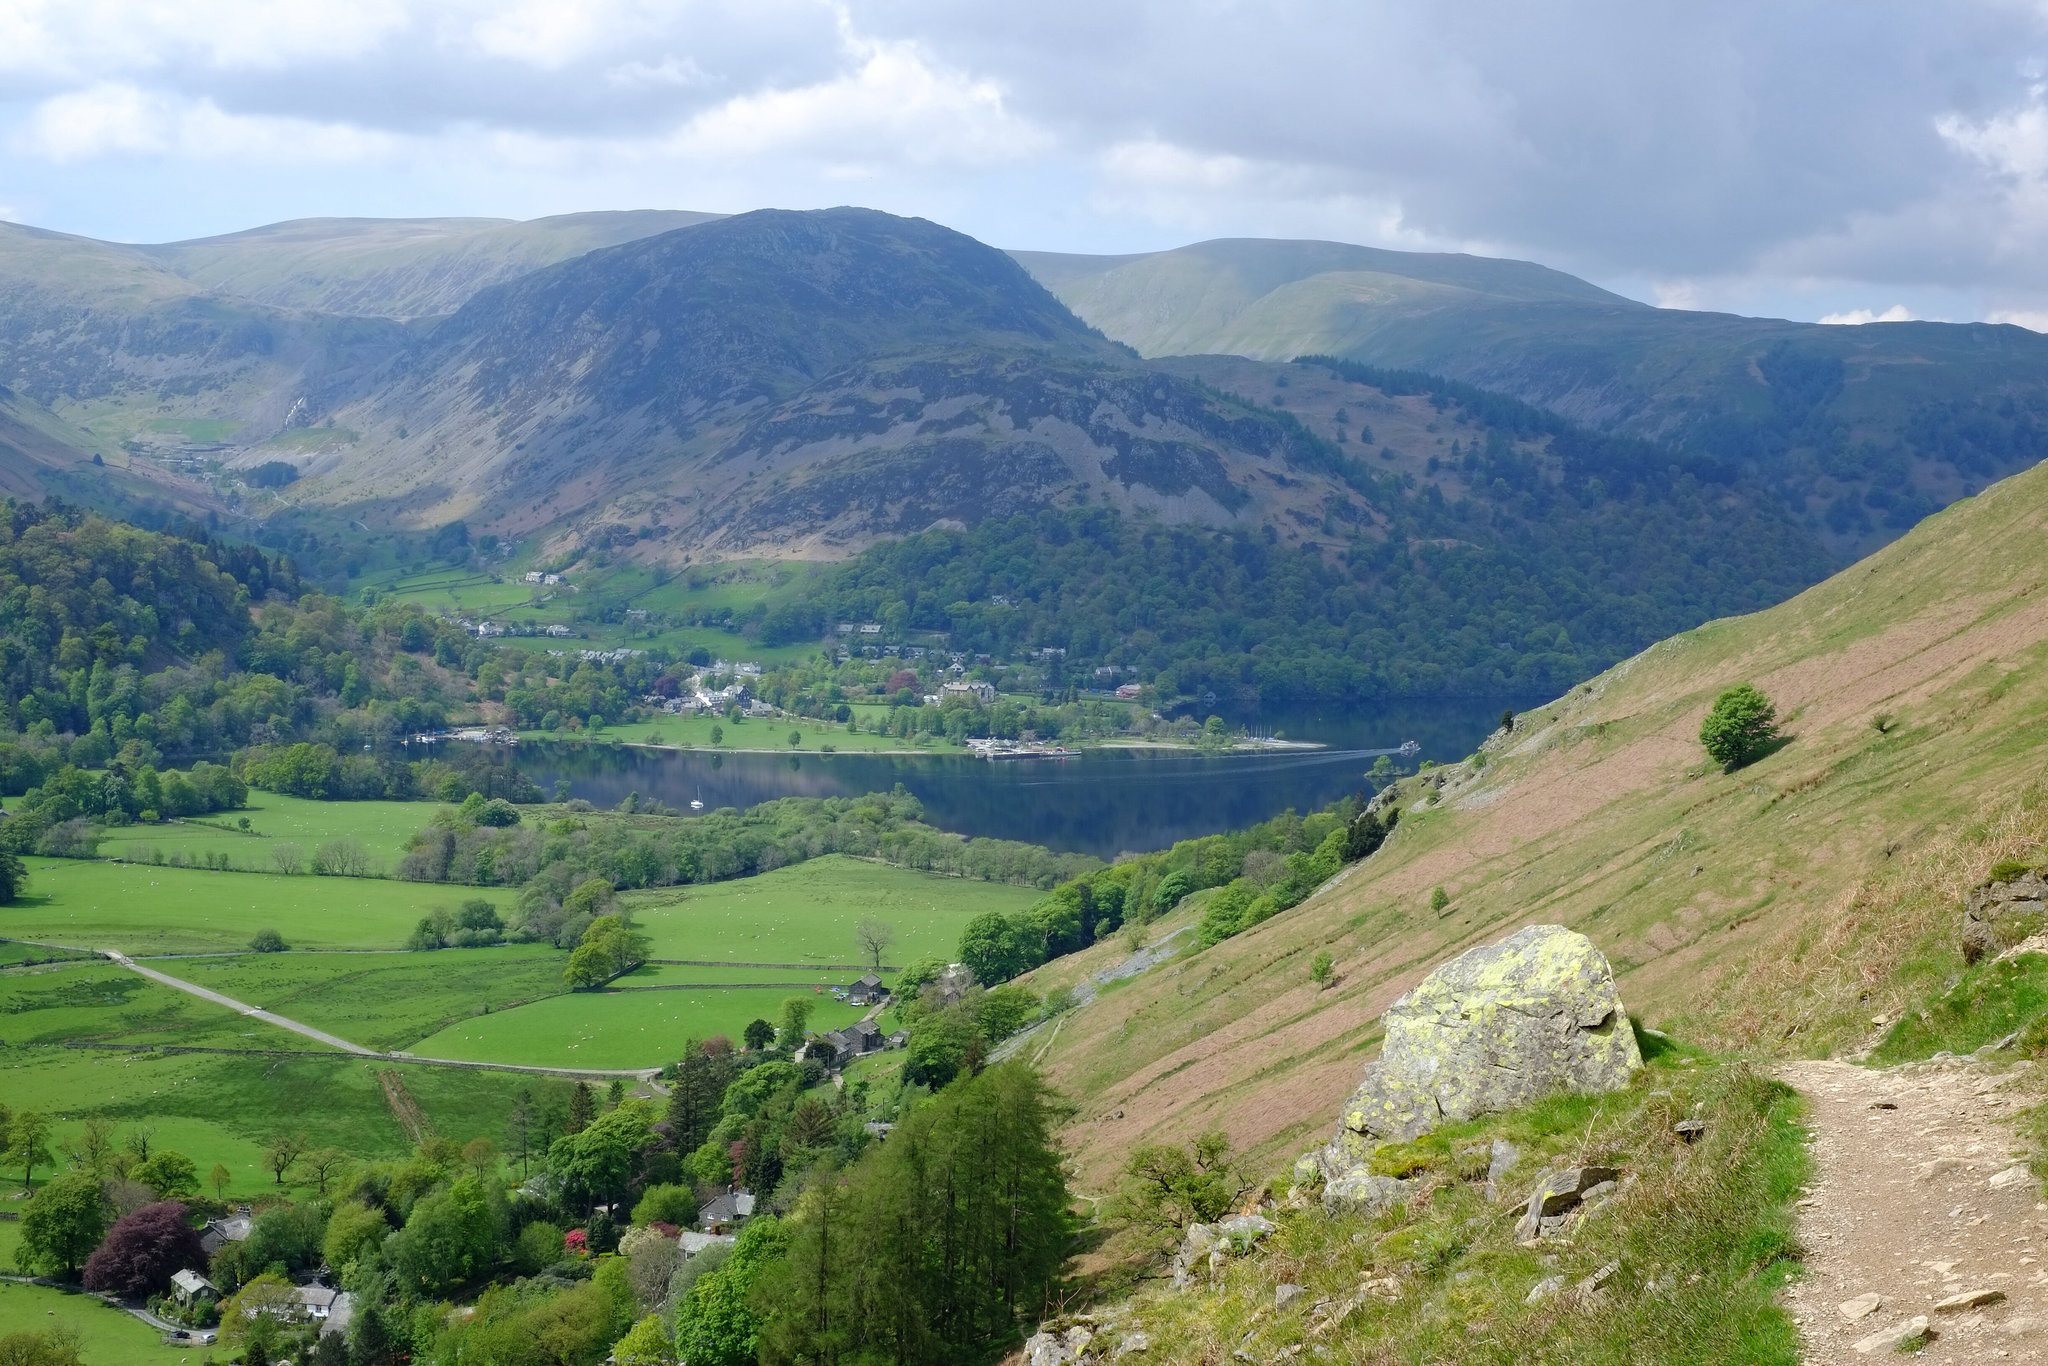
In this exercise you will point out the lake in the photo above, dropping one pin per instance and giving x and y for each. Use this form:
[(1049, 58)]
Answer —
[(1103, 802)]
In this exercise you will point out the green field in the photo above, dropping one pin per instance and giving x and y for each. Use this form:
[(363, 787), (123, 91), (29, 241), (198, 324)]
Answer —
[(224, 1108), (382, 1000), (141, 909), (106, 1336), (101, 1002), (806, 913), (275, 820), (624, 1029)]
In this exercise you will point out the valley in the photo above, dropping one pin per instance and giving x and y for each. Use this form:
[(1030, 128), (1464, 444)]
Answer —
[(738, 539)]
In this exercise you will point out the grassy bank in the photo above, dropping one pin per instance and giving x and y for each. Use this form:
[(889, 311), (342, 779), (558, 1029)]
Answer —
[(1700, 1237)]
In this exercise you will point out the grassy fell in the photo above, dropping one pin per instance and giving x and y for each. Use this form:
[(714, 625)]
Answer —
[(1768, 909)]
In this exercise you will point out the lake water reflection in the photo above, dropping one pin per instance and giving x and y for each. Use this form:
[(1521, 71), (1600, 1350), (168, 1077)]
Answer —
[(1102, 802)]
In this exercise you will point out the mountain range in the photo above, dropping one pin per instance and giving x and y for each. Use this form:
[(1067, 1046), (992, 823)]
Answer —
[(378, 357)]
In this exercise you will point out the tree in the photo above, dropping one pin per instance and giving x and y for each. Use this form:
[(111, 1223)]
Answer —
[(796, 1016), (874, 935), (142, 1250), (1322, 968), (267, 941), (717, 1323), (452, 1236), (62, 1224), (1164, 1187), (353, 1229), (647, 1345), (717, 735), (519, 1124), (51, 1347), (796, 737), (173, 1176), (285, 1148), (758, 1034), (94, 1149), (666, 1205), (220, 1178), (258, 1312), (1438, 899), (582, 1108), (28, 1144), (13, 876), (324, 1164), (1740, 727)]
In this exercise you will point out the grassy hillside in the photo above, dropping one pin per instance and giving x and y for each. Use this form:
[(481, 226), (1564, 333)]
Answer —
[(1775, 909), (397, 267)]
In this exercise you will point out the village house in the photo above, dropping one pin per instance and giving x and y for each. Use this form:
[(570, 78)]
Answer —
[(726, 1212), (219, 1232), (855, 1040), (983, 694), (866, 991), (316, 1302), (189, 1289)]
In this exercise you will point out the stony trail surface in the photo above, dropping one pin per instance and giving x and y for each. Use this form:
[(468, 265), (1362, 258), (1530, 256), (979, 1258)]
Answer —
[(1921, 1198)]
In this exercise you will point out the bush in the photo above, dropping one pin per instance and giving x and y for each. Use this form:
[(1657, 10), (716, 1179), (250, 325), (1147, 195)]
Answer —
[(1740, 728), (267, 941)]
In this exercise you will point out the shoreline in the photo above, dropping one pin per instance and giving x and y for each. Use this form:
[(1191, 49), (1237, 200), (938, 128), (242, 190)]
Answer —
[(1076, 751)]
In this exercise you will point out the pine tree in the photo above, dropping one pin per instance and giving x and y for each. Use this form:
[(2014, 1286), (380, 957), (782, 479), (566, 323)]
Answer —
[(582, 1108)]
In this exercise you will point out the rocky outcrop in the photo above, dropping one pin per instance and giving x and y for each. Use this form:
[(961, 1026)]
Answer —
[(1496, 1027), (1999, 913)]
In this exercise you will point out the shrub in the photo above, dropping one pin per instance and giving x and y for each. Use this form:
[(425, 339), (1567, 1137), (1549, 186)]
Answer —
[(1740, 727), (1322, 968), (267, 941)]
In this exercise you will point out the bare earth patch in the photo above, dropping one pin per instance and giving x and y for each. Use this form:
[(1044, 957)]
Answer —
[(1922, 1200)]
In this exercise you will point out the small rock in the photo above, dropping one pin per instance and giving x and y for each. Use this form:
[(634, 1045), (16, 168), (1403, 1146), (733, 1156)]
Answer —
[(1557, 1193), (1538, 1292), (1384, 1287), (1598, 1194), (1690, 1129), (1132, 1342), (1897, 1337), (1940, 1166), (1861, 1306), (1045, 1349), (1285, 1294), (1500, 1162), (1969, 1299), (2016, 1175), (1880, 1020), (1599, 1278), (1884, 1105)]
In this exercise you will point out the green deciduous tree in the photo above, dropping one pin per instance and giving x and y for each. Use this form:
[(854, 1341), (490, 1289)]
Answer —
[(28, 1144), (1740, 727), (62, 1224)]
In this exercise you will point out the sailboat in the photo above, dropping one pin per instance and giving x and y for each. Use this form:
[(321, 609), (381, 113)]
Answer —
[(697, 802)]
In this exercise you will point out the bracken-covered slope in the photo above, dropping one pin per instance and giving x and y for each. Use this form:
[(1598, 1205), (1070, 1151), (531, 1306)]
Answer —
[(1778, 908), (1862, 429)]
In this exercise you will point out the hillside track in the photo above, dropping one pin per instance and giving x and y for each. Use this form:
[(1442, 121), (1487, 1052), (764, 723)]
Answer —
[(1922, 1196)]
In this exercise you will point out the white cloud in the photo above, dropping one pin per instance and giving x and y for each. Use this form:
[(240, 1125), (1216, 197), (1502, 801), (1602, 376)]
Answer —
[(1856, 317), (2033, 319), (118, 120), (89, 39), (894, 106)]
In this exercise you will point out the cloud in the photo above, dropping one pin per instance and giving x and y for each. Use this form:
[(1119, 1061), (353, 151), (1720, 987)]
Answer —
[(122, 120), (2034, 320), (1856, 317), (1771, 156), (895, 105)]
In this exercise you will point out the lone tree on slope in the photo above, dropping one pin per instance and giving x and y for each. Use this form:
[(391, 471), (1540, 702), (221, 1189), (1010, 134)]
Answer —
[(874, 935), (1740, 728)]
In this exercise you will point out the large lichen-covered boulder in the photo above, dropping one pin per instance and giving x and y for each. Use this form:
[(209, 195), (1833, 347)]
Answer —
[(1496, 1027), (2002, 911)]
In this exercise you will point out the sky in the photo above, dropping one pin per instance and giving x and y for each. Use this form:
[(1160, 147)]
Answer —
[(1852, 161)]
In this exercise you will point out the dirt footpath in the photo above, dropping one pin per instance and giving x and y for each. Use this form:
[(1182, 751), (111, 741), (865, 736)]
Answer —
[(1922, 1204)]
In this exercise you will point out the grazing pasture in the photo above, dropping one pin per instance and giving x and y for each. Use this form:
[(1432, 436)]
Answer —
[(274, 820), (141, 909), (621, 1029), (383, 1000), (106, 1336), (806, 913)]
